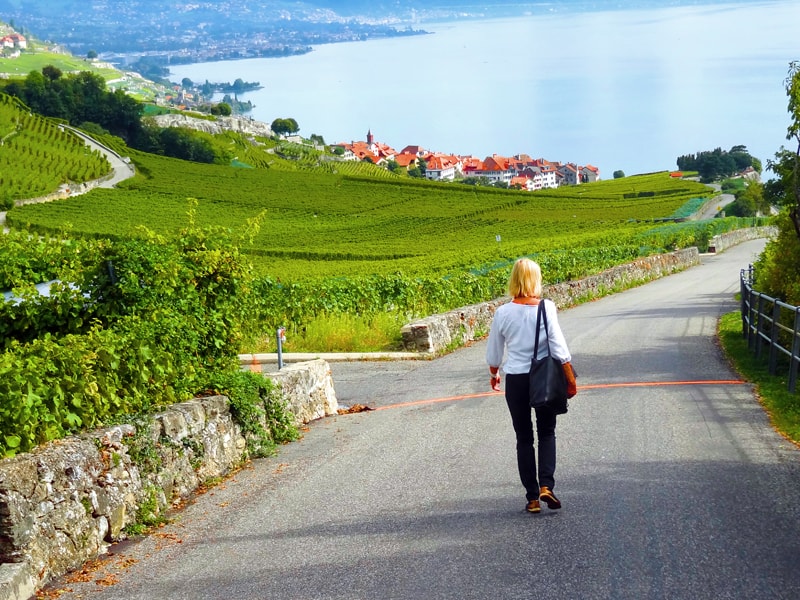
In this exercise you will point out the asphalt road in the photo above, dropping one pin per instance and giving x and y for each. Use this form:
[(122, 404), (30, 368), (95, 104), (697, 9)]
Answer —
[(674, 484), (711, 211)]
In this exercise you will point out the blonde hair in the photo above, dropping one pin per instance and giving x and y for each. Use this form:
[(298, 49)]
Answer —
[(525, 279)]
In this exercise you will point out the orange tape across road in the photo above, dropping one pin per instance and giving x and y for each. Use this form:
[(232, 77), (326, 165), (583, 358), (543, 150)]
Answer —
[(596, 386)]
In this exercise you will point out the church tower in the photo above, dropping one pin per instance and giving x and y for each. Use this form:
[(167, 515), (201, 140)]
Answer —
[(370, 138)]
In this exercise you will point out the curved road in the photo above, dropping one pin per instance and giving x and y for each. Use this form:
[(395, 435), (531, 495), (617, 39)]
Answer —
[(121, 169), (673, 482)]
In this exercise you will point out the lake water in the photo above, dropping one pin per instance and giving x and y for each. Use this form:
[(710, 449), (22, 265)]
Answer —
[(629, 89)]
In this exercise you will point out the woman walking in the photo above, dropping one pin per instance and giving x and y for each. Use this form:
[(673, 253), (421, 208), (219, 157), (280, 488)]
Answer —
[(512, 334)]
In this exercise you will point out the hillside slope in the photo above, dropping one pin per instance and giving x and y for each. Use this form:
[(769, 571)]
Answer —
[(37, 156)]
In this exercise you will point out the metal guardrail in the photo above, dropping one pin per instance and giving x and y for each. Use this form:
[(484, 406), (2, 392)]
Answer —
[(770, 326)]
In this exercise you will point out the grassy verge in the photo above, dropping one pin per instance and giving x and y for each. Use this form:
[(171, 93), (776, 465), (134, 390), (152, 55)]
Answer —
[(340, 332), (782, 406)]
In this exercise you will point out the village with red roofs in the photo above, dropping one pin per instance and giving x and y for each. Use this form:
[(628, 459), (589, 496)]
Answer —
[(519, 171), (11, 44)]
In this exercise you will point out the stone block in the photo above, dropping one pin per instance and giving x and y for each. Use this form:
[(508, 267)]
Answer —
[(194, 415), (308, 388), (173, 424)]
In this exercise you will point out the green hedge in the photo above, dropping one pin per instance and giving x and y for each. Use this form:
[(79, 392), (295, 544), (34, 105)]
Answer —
[(141, 324)]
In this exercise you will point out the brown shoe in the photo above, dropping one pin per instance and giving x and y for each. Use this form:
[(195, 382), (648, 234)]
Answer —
[(533, 506), (549, 498)]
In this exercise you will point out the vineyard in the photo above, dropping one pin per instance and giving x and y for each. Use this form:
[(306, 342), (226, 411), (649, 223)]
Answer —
[(326, 222), (37, 156), (324, 237), (183, 266)]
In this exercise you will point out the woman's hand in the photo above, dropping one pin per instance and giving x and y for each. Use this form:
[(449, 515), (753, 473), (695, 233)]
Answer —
[(572, 385), (495, 382)]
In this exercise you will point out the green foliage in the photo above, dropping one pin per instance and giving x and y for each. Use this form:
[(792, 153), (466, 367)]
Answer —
[(183, 143), (285, 126), (78, 98), (141, 446), (713, 164), (148, 512), (342, 332), (384, 225), (117, 341), (777, 270), (689, 208), (749, 201), (693, 233), (259, 408), (26, 260), (733, 185), (221, 108)]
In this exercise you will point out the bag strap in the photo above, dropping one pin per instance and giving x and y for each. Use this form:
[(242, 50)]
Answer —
[(541, 313)]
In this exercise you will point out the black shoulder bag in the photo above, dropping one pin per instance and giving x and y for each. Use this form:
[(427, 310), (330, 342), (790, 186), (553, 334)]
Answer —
[(548, 384)]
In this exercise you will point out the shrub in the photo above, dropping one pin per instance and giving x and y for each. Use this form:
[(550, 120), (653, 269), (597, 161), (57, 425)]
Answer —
[(140, 324), (777, 270), (259, 408)]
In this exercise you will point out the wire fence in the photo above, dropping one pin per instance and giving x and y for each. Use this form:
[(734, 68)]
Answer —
[(771, 327)]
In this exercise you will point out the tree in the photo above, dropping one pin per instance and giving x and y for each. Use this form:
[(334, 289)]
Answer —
[(182, 143), (51, 73), (285, 126), (778, 268), (749, 202), (222, 109), (619, 174), (187, 83), (91, 54), (793, 134), (718, 163)]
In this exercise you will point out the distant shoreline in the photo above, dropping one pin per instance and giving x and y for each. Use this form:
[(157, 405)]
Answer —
[(168, 58)]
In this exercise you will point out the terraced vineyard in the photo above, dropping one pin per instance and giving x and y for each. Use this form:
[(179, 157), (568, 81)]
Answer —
[(37, 156), (320, 224)]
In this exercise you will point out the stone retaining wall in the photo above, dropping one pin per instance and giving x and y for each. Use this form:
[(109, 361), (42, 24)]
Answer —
[(64, 503), (438, 332), (720, 243)]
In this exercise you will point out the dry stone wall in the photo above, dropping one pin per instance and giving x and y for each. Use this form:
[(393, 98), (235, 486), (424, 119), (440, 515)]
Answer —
[(720, 243), (64, 503)]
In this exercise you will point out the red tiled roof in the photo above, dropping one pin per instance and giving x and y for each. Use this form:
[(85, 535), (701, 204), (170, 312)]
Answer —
[(404, 159)]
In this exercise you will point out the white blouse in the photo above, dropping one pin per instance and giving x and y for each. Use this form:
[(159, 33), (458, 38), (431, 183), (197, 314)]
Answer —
[(513, 331)]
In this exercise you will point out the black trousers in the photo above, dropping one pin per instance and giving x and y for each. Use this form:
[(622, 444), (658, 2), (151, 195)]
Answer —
[(518, 406)]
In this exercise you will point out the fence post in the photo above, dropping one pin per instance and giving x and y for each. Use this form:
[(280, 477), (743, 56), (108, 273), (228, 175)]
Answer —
[(773, 338), (751, 319), (759, 324), (743, 302), (794, 359), (280, 337)]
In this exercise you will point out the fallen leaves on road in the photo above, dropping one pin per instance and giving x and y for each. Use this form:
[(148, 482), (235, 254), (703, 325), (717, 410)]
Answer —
[(108, 580), (356, 408)]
